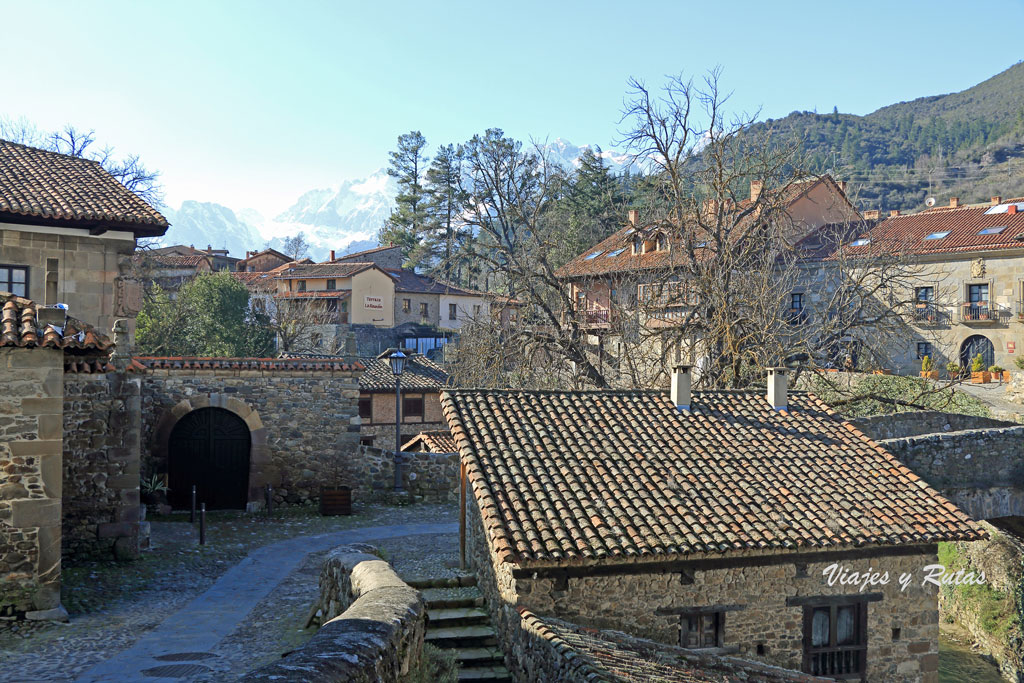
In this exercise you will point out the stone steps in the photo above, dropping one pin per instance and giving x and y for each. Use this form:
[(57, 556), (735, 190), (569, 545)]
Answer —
[(498, 674), (463, 624), (451, 637), (462, 616)]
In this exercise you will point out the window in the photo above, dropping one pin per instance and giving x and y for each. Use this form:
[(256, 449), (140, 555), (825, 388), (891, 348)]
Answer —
[(662, 243), (924, 294), (613, 254), (835, 639), (412, 406), (924, 349), (424, 310), (14, 279), (476, 310), (452, 312), (332, 285), (581, 301), (366, 441), (406, 305), (594, 255), (366, 407), (796, 301), (300, 285), (977, 294), (937, 235), (613, 295), (862, 242), (994, 230), (701, 630)]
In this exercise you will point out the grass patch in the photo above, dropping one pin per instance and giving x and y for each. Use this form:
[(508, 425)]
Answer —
[(435, 666), (996, 611)]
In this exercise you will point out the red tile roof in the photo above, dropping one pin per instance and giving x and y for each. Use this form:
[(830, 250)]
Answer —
[(420, 373), (38, 186), (615, 254), (437, 441), (262, 364), (178, 260), (614, 657), (907, 232), (19, 328), (328, 294), (257, 282), (322, 270), (623, 476)]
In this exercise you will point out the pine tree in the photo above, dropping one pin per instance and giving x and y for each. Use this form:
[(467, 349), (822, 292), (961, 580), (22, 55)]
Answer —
[(445, 199), (406, 222)]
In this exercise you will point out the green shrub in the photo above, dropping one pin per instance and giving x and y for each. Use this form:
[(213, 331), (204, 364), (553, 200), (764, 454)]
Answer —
[(876, 395), (978, 364), (926, 364), (436, 665)]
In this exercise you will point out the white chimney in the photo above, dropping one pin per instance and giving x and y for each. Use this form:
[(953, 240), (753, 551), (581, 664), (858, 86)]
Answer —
[(681, 382), (778, 388)]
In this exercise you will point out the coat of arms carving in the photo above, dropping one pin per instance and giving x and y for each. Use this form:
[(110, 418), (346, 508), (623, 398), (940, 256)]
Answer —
[(127, 297), (978, 267)]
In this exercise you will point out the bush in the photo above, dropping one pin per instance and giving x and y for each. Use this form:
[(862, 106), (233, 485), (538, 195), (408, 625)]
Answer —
[(875, 395), (926, 364), (953, 369), (995, 369), (436, 665), (978, 364), (1019, 363)]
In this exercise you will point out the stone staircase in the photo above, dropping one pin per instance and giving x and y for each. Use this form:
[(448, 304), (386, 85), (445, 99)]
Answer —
[(463, 624)]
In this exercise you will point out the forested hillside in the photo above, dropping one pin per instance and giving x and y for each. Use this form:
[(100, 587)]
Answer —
[(968, 144)]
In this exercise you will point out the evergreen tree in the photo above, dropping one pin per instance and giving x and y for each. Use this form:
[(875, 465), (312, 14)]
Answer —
[(406, 222), (445, 199)]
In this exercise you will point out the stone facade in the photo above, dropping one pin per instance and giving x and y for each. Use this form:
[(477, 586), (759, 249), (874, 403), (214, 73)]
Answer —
[(760, 624), (30, 478), (301, 422), (375, 625), (429, 477), (102, 422), (380, 426)]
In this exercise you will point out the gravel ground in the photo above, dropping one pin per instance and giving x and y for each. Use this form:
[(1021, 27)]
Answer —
[(113, 604)]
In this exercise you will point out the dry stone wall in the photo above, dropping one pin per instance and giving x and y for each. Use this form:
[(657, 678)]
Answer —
[(916, 423), (30, 479), (102, 424), (429, 477)]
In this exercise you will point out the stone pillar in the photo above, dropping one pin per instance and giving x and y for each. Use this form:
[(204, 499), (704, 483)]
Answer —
[(128, 531)]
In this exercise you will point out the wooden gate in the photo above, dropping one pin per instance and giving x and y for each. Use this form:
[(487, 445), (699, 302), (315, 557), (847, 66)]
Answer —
[(209, 448), (974, 345)]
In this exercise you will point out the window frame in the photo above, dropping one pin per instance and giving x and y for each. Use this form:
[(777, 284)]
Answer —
[(413, 399), (11, 267), (300, 285), (453, 312), (860, 644), (332, 285), (927, 350), (424, 309), (701, 617), (367, 402), (406, 305)]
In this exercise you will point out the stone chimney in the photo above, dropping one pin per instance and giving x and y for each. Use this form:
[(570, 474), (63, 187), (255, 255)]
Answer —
[(332, 254), (954, 202), (778, 388), (842, 186), (871, 215), (996, 200), (1011, 209), (681, 383), (633, 217), (755, 189), (894, 212)]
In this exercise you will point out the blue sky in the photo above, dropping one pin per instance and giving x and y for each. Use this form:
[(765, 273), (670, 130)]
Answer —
[(249, 104)]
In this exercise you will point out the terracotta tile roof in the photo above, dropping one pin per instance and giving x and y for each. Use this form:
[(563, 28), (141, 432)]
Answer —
[(19, 327), (613, 656), (87, 366), (420, 373), (178, 260), (258, 281), (322, 270), (329, 294), (615, 254), (263, 364), (272, 252), (907, 232), (438, 441), (623, 476), (41, 186)]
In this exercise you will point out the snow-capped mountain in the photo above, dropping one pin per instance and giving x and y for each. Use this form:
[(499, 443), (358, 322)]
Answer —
[(344, 218), (203, 224)]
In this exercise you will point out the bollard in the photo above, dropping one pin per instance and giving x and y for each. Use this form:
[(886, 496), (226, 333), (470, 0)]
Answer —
[(202, 524), (192, 514)]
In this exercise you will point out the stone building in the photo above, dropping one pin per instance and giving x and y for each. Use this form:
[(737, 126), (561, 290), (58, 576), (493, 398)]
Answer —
[(422, 382), (710, 520), (170, 270), (965, 291), (34, 357), (67, 232), (262, 261)]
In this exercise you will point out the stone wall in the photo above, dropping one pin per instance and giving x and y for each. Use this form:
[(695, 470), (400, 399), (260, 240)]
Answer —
[(981, 470), (377, 634), (30, 478), (381, 424), (916, 423), (102, 422), (430, 477), (302, 422), (903, 626)]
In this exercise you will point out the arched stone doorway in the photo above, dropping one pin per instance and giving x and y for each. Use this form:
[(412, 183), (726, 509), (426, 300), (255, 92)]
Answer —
[(209, 448), (974, 345)]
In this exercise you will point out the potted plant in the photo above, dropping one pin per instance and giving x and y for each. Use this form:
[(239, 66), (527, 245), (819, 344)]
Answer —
[(953, 369), (335, 494), (997, 372), (153, 491), (983, 310), (927, 371), (979, 375)]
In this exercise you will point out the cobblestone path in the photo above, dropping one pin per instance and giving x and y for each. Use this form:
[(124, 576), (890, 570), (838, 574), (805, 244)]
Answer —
[(178, 646)]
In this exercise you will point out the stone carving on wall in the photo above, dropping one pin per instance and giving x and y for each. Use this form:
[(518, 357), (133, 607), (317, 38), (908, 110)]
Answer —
[(978, 267), (127, 297)]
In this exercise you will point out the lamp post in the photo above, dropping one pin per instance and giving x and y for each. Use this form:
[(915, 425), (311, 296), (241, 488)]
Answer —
[(398, 360)]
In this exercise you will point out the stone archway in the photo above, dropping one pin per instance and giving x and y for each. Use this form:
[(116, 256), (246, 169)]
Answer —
[(209, 450), (259, 453), (972, 346)]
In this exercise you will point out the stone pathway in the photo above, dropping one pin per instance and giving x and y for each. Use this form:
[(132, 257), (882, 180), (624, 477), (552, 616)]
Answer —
[(177, 647), (993, 394)]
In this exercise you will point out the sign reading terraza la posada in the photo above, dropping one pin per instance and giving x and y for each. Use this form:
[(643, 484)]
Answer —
[(374, 302)]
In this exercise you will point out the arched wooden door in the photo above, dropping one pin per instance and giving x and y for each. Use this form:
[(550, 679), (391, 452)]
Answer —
[(974, 345), (209, 448)]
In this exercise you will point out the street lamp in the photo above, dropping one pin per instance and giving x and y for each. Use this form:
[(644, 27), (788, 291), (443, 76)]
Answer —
[(398, 360)]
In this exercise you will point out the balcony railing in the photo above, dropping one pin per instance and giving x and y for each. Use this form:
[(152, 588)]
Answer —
[(929, 313), (1020, 311), (983, 313)]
